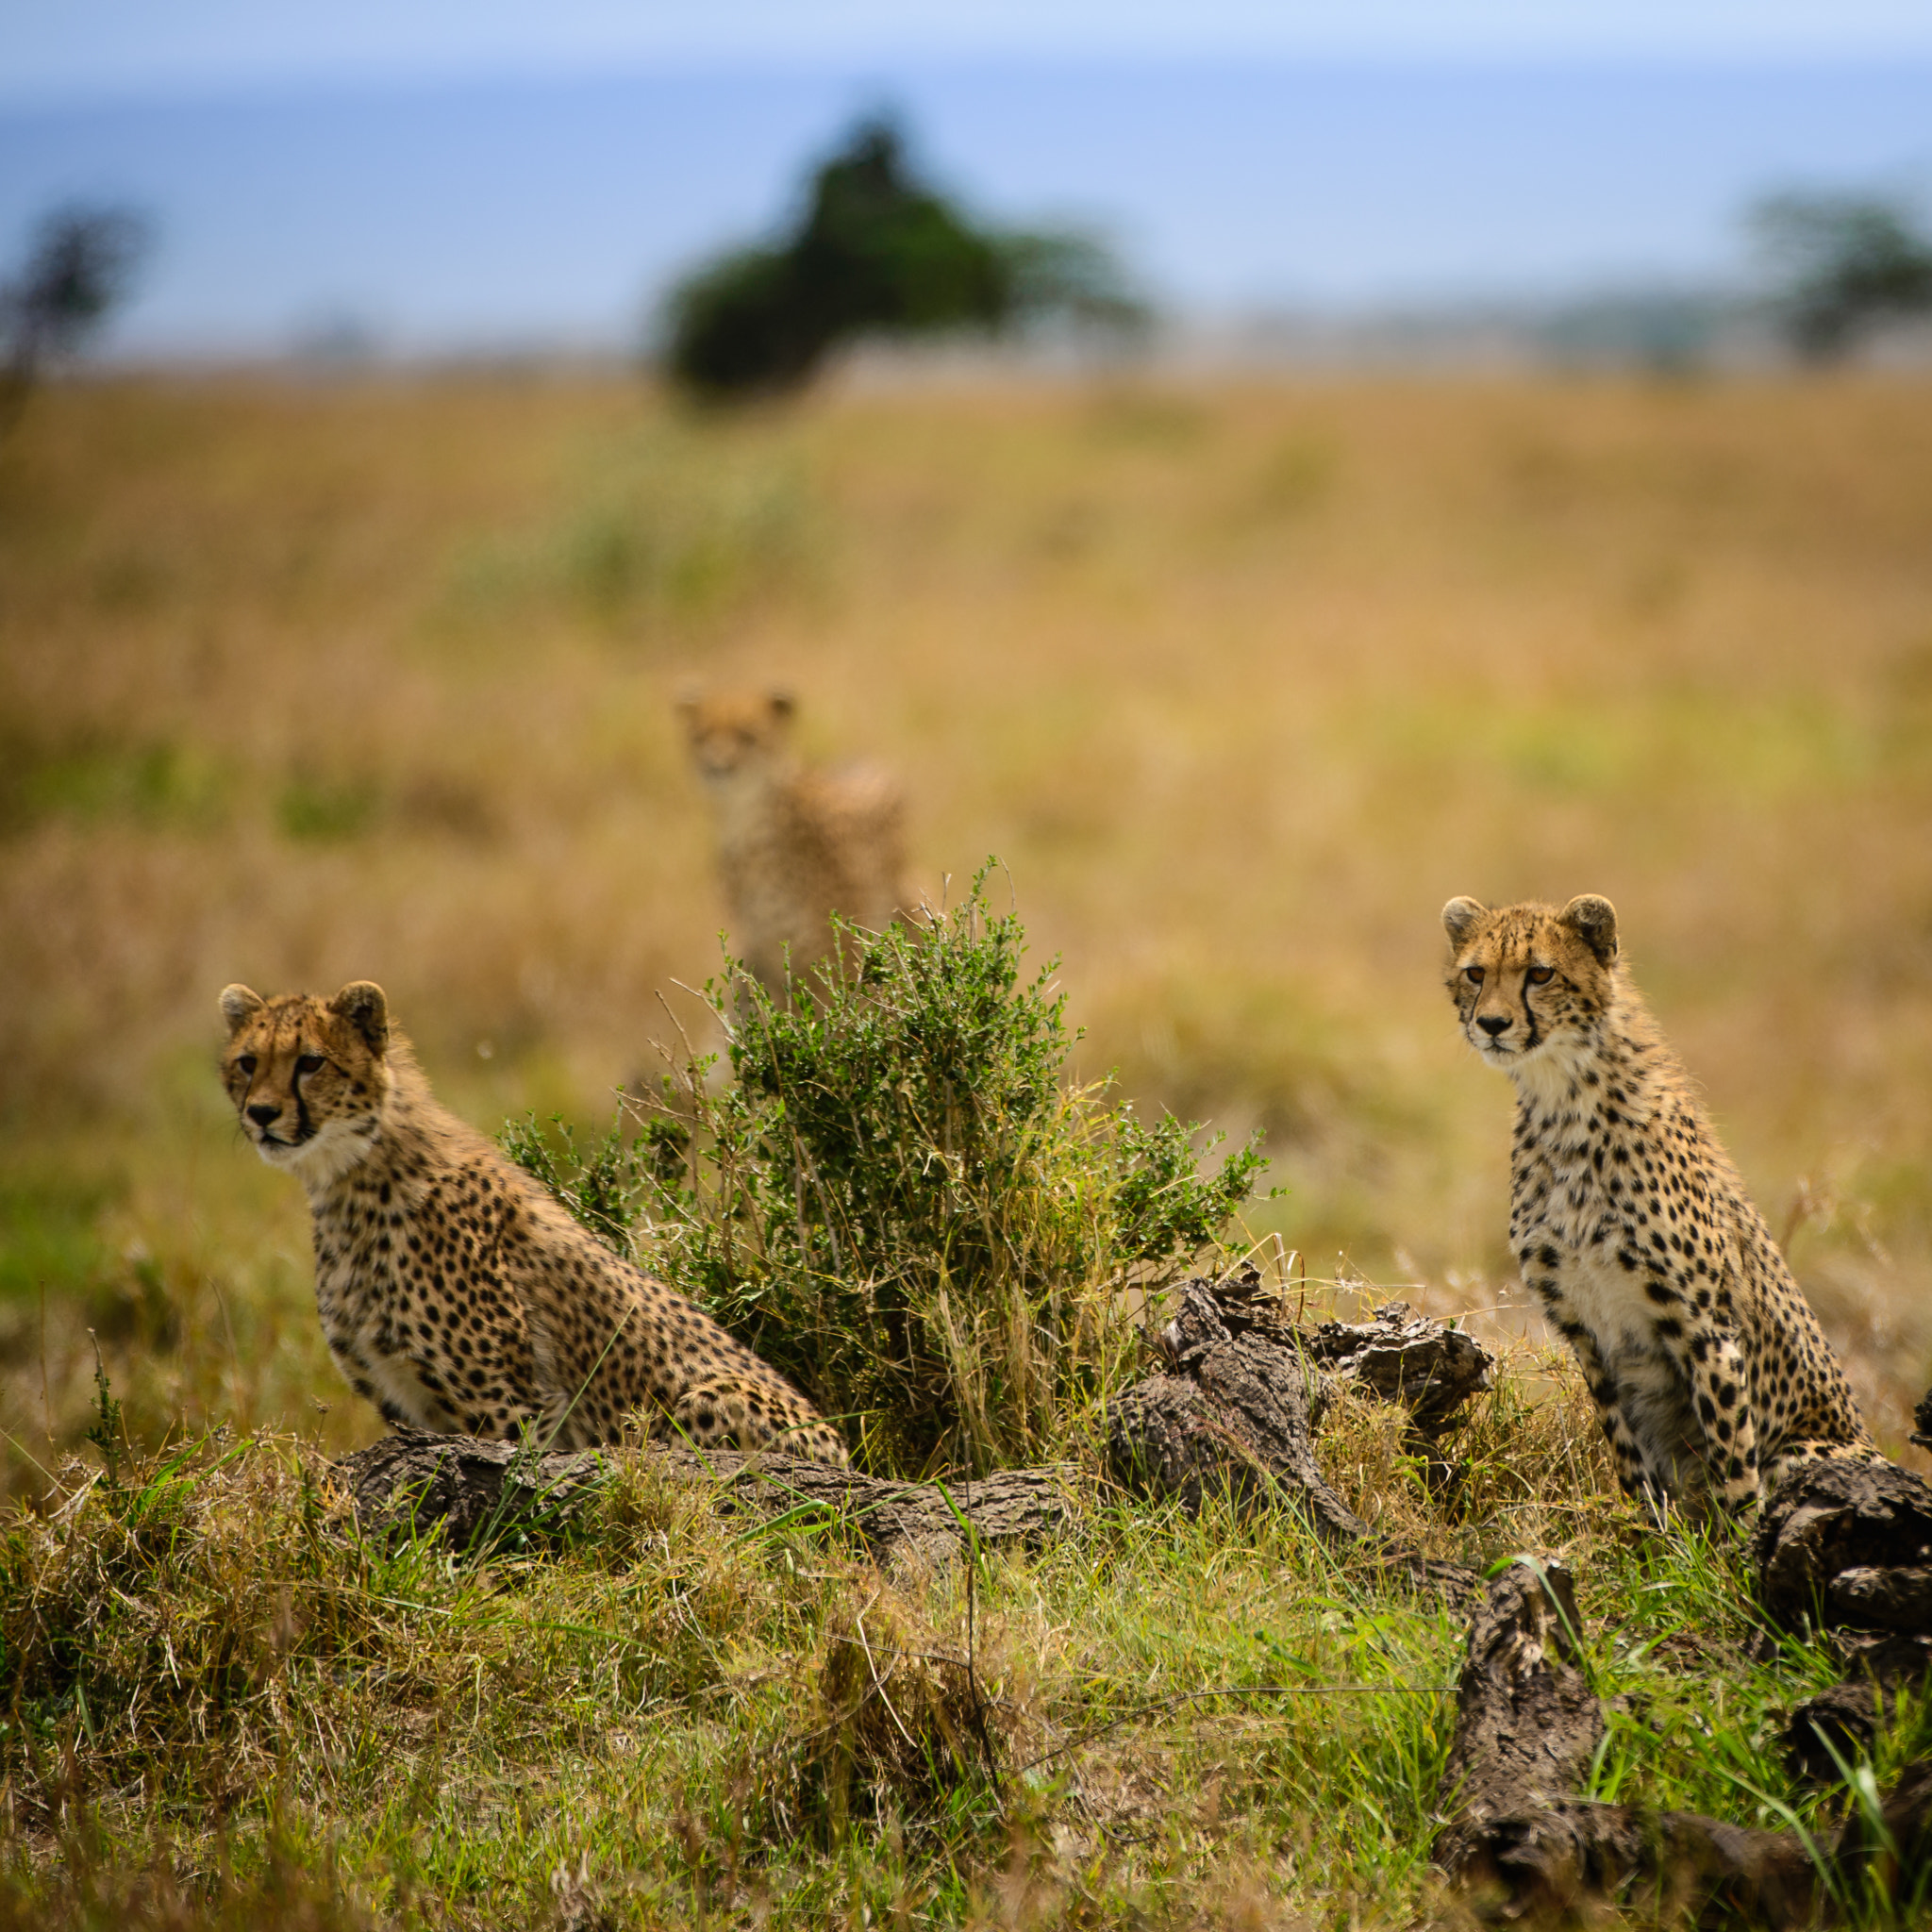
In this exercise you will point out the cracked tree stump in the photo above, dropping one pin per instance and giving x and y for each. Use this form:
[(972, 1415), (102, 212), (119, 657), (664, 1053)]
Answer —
[(1526, 1722), (1848, 1544), (1429, 1368), (1236, 1409), (1831, 1733), (1524, 1847), (472, 1491)]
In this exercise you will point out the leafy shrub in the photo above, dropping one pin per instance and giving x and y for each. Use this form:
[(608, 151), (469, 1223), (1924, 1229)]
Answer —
[(897, 1202)]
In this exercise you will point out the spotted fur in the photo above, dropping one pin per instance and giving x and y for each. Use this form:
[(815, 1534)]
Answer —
[(794, 845), (455, 1292), (1629, 1221)]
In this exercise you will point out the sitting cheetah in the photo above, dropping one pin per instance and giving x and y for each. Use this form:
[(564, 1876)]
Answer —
[(455, 1292), (1709, 1368), (794, 845)]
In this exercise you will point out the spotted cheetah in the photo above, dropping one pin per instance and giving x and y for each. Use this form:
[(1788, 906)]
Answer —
[(1707, 1366), (794, 845), (455, 1292)]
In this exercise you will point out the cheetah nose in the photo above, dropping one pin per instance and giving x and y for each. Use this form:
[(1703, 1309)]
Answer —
[(1494, 1025), (262, 1112)]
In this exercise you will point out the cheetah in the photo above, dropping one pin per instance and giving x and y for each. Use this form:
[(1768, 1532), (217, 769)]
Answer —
[(455, 1292), (1709, 1368), (794, 845)]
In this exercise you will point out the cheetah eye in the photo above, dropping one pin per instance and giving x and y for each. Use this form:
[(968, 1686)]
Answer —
[(245, 1064), (1540, 975), (1473, 974), (309, 1064)]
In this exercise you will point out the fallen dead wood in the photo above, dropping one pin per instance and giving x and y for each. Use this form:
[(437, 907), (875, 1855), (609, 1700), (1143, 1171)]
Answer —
[(1524, 1847), (1847, 1544), (1527, 1720), (1828, 1734), (1429, 1367), (1238, 1412), (473, 1490), (1236, 1409)]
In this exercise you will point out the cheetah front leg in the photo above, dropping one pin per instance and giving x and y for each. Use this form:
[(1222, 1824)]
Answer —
[(1720, 1394), (1635, 1475)]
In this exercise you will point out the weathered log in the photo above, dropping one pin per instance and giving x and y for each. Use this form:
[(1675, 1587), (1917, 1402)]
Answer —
[(1893, 1599), (1234, 1414), (1829, 1733), (1429, 1367), (469, 1490), (1527, 1720), (1847, 1544), (1525, 1848), (476, 1491)]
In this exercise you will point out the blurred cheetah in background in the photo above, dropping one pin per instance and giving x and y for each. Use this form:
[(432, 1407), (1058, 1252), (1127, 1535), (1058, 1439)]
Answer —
[(1708, 1365), (794, 845), (455, 1292)]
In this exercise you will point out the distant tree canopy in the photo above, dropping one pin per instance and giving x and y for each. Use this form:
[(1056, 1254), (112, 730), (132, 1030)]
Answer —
[(875, 251), (1845, 262), (81, 264)]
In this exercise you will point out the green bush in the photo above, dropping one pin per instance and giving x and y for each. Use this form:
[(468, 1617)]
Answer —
[(877, 251), (897, 1202)]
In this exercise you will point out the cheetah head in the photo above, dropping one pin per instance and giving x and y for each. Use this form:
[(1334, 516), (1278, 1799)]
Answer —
[(738, 738), (309, 1076), (1531, 984)]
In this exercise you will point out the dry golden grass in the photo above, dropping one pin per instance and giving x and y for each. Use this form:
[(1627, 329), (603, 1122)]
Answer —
[(306, 683)]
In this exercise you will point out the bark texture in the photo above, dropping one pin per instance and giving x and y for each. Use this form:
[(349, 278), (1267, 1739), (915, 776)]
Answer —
[(1833, 1731), (1527, 1720), (1847, 1544), (1429, 1368), (1524, 1848), (476, 1491), (1236, 1409)]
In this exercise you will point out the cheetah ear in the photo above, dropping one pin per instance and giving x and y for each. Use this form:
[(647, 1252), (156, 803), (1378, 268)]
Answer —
[(240, 1004), (781, 705), (362, 1005), (1594, 921), (1459, 917), (690, 696)]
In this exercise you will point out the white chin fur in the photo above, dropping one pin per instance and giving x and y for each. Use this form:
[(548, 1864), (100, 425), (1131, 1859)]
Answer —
[(325, 1157)]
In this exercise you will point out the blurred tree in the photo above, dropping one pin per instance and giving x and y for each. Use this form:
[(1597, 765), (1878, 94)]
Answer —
[(876, 251), (1846, 262), (80, 266)]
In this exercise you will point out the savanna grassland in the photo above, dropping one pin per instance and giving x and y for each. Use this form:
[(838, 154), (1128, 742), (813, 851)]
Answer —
[(307, 682)]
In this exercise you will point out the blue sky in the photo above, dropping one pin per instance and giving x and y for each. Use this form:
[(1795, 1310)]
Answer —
[(62, 47), (498, 173)]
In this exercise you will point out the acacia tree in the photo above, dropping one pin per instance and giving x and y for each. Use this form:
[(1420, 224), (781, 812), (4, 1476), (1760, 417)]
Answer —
[(80, 266), (876, 251), (1845, 263)]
